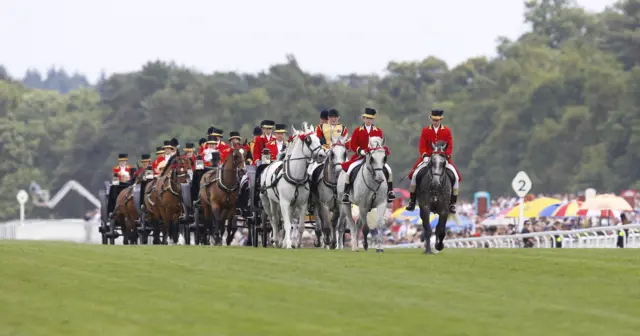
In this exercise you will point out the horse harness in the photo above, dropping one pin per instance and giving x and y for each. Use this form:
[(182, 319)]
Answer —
[(373, 173)]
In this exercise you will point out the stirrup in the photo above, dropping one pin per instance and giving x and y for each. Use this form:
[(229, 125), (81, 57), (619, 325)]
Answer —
[(345, 198), (391, 196)]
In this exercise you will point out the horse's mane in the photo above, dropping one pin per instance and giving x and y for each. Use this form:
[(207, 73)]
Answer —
[(166, 167), (375, 142)]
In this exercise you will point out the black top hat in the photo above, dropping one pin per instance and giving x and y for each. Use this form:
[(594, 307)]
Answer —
[(281, 128), (234, 135), (212, 139), (437, 114), (167, 144), (202, 140), (210, 130), (217, 132), (334, 113), (267, 124), (144, 157), (324, 114), (159, 150), (257, 131), (174, 143), (369, 113), (123, 157), (189, 146)]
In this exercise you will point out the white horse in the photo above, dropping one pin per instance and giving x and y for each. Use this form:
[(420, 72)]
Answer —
[(285, 185), (369, 190), (325, 193)]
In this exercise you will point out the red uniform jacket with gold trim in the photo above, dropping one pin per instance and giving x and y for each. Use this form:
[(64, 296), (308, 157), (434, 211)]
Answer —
[(360, 140), (430, 136)]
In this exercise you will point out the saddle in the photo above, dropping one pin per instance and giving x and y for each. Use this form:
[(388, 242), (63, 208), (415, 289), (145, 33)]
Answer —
[(354, 173)]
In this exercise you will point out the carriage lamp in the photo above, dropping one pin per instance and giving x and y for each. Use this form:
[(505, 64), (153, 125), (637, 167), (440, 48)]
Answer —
[(148, 175), (199, 163), (266, 156), (115, 180)]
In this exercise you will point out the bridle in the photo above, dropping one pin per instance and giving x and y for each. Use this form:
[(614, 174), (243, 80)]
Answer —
[(313, 152), (237, 159)]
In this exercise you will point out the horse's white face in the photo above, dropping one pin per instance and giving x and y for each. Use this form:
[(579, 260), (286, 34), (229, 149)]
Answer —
[(312, 146), (377, 158), (338, 151)]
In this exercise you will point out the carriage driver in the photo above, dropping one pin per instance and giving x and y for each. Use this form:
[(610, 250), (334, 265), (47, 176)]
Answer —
[(123, 169), (222, 146), (145, 160), (211, 147), (278, 146), (234, 143), (159, 158), (359, 143), (261, 141), (430, 135)]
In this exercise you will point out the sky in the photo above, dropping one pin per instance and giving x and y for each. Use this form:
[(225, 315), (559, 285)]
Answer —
[(330, 36)]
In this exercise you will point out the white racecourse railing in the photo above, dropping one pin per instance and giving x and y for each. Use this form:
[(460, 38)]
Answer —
[(597, 237)]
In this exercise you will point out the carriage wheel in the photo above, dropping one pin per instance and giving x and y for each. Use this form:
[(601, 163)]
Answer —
[(196, 222), (186, 232)]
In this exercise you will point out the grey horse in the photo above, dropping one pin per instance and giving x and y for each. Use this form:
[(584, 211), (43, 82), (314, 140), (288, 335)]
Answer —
[(434, 192)]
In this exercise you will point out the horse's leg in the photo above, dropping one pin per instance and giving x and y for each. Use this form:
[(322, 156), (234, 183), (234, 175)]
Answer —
[(286, 220), (301, 223), (360, 224), (318, 228), (217, 220), (335, 222), (322, 223), (381, 209), (274, 218), (155, 224), (441, 229), (365, 236), (232, 226), (207, 227), (426, 225)]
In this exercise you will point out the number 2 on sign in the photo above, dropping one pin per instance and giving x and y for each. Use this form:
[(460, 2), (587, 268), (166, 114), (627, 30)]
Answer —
[(522, 184)]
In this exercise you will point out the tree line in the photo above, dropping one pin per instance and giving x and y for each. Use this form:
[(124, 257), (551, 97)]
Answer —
[(561, 102)]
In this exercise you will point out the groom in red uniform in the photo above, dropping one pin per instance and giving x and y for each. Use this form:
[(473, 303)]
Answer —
[(430, 135)]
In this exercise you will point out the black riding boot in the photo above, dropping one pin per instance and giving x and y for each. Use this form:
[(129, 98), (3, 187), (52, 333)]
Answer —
[(310, 204), (347, 190), (391, 196), (412, 202), (452, 205)]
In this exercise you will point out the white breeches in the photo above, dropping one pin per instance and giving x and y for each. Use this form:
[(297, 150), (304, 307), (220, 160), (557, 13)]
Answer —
[(423, 164), (359, 162), (312, 167)]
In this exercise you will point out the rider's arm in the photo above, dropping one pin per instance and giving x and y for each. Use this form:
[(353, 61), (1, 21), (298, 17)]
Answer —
[(423, 145)]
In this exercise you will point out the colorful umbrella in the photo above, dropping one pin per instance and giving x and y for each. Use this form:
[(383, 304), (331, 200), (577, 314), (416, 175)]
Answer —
[(533, 208), (606, 202), (549, 211), (568, 210), (499, 219), (402, 213), (598, 213), (401, 192)]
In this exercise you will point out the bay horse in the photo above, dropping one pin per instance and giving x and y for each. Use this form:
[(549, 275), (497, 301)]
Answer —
[(166, 199), (434, 193), (125, 212), (219, 192)]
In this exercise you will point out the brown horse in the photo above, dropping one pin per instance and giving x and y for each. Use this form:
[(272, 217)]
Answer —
[(219, 191), (125, 213), (164, 203), (151, 212)]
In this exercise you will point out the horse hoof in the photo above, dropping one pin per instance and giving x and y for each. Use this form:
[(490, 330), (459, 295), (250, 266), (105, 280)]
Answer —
[(439, 246), (379, 251)]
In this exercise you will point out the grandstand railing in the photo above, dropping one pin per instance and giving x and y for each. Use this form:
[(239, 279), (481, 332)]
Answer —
[(595, 237)]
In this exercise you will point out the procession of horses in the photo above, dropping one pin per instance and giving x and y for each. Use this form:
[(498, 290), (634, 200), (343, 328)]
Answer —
[(310, 185)]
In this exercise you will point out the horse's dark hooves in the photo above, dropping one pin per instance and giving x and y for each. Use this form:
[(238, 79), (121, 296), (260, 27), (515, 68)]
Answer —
[(379, 250), (316, 243), (439, 246)]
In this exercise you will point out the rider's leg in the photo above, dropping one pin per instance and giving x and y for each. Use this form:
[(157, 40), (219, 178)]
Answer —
[(391, 196), (456, 187), (412, 188)]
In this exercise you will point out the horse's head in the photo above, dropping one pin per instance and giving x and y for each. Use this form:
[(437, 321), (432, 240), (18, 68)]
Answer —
[(311, 146), (338, 151), (438, 163), (376, 158), (239, 157), (180, 169)]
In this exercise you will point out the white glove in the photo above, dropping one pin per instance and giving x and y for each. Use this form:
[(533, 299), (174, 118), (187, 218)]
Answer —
[(207, 156), (361, 152), (190, 172), (426, 159)]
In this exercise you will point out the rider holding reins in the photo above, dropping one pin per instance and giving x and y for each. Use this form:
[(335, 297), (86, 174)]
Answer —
[(430, 135)]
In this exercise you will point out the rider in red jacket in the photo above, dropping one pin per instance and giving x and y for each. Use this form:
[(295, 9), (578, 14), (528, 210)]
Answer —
[(430, 135), (359, 143)]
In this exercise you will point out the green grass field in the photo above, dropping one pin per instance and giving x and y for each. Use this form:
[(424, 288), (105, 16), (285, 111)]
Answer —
[(73, 289)]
